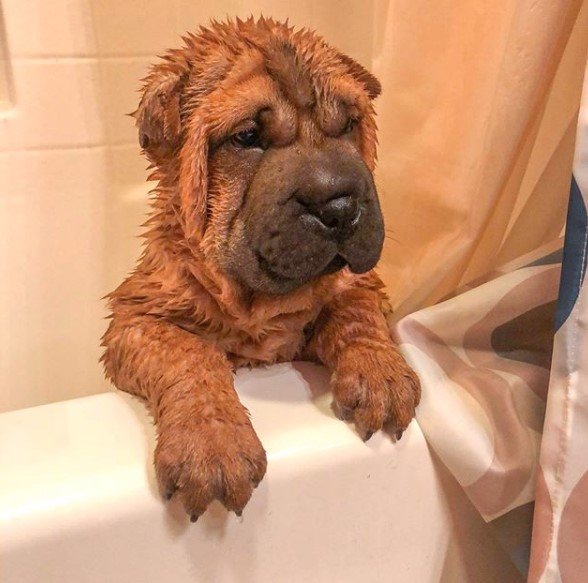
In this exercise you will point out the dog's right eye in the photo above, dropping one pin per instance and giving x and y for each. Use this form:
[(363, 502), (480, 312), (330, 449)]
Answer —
[(247, 138)]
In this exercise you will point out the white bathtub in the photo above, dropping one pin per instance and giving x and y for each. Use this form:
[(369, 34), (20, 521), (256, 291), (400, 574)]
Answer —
[(78, 503)]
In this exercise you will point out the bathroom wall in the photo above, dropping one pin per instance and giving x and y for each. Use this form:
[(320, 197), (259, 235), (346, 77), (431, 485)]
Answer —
[(72, 181), (5, 70)]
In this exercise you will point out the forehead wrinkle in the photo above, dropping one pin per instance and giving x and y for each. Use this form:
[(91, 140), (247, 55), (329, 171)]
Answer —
[(341, 99), (250, 63), (309, 131), (221, 68), (280, 123), (349, 93), (332, 111), (227, 106), (284, 66)]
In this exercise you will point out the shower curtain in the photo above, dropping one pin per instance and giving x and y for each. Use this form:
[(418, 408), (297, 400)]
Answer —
[(478, 122)]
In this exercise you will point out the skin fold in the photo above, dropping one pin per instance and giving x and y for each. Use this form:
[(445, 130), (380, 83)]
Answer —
[(264, 231)]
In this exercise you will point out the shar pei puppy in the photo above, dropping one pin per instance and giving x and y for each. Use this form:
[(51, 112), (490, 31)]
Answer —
[(264, 231)]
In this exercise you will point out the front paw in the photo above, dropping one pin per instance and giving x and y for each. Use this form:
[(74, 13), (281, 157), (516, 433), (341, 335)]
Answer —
[(210, 460), (375, 387)]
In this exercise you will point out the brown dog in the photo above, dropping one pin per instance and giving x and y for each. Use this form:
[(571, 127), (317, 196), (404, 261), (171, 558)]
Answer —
[(264, 231)]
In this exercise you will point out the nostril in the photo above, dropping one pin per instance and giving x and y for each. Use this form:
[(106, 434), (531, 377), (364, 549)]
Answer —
[(338, 212), (329, 219)]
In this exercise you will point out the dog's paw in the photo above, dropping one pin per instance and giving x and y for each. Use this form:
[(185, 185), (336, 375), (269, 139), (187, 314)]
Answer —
[(212, 460), (375, 387)]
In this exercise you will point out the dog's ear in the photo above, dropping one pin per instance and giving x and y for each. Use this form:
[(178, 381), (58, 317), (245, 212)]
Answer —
[(371, 84), (194, 178), (158, 115), (161, 134)]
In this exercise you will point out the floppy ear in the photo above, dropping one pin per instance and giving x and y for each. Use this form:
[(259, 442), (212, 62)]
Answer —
[(371, 84), (158, 114), (193, 183), (160, 134)]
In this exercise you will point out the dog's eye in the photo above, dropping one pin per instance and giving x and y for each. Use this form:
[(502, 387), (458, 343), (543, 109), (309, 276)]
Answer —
[(247, 138), (350, 125)]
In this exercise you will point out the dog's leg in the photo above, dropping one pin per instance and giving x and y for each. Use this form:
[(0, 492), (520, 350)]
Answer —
[(372, 383), (206, 447)]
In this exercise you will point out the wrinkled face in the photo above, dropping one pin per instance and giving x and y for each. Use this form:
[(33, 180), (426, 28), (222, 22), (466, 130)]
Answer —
[(290, 195), (300, 208)]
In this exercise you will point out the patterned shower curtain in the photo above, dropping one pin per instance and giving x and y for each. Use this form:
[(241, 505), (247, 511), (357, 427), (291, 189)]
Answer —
[(483, 357), (560, 530), (478, 122)]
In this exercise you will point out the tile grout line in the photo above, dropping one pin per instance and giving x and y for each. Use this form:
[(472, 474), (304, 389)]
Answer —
[(82, 58), (58, 148)]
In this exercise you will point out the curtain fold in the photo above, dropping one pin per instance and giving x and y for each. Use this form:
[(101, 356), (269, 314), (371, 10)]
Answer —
[(477, 126)]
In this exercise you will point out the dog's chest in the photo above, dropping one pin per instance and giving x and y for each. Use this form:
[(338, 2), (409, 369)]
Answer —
[(264, 329), (278, 339)]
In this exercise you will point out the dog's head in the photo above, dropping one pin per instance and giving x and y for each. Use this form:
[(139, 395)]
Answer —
[(267, 137)]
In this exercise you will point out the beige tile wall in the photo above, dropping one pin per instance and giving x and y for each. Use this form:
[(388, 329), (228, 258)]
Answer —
[(72, 182), (5, 69)]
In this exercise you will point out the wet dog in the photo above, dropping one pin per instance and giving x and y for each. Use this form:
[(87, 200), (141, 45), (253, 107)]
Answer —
[(260, 248)]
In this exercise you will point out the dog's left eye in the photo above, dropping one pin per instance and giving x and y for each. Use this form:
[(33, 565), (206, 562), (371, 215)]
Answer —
[(247, 138), (350, 125)]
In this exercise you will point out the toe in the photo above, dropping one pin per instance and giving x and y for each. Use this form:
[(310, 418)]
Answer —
[(402, 411), (197, 494), (168, 475), (370, 417), (237, 494)]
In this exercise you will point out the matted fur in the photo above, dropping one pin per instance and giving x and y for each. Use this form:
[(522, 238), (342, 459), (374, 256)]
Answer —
[(180, 324)]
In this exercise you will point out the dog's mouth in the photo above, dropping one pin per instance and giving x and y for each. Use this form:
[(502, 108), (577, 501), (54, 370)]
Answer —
[(336, 264), (267, 268)]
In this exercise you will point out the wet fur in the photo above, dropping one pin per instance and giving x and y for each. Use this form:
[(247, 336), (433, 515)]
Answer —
[(180, 324)]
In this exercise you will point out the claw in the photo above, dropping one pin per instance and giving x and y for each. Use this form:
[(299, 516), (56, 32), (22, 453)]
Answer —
[(368, 435), (343, 413), (194, 517), (168, 495), (398, 434), (239, 513)]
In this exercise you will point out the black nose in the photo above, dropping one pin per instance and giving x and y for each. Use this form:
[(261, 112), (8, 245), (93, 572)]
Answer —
[(339, 215), (331, 191)]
